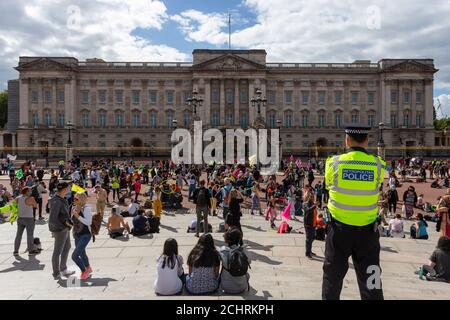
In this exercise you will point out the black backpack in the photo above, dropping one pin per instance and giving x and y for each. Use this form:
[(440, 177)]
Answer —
[(201, 198), (238, 262)]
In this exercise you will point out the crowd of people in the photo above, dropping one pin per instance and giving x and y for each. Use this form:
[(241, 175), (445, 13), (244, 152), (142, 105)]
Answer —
[(142, 191)]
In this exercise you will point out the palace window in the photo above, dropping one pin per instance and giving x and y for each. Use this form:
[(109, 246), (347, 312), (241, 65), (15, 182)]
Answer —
[(229, 119), (243, 121), (102, 120), (85, 97), (272, 120), (406, 97), (215, 96), (338, 119), (34, 97), (244, 96), (215, 119), (119, 97), (288, 97), (153, 120), (170, 120), (136, 119), (371, 120), (119, 119), (170, 97), (370, 98), (61, 96), (271, 97), (48, 119), (152, 96), (288, 120), (305, 97), (61, 120), (406, 120), (418, 119), (355, 98), (136, 94), (321, 120), (394, 122), (85, 119), (355, 118), (394, 96), (48, 96), (102, 97), (35, 119), (419, 96), (229, 96), (305, 120), (338, 98), (321, 97), (187, 119)]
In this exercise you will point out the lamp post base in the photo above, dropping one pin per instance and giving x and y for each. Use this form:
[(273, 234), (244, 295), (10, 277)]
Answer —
[(69, 153)]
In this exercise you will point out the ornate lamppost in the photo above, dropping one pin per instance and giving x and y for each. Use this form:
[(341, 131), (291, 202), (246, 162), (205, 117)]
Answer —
[(257, 101), (69, 150), (381, 145), (194, 101), (279, 122)]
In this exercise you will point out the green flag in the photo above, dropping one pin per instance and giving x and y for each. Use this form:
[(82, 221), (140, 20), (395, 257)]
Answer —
[(19, 174)]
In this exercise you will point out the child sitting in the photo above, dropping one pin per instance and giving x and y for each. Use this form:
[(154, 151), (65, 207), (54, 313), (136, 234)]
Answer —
[(320, 228), (419, 229)]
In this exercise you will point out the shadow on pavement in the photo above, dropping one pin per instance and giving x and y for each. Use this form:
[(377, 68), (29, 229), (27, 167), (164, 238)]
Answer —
[(388, 249), (74, 282), (22, 264), (259, 229), (171, 229)]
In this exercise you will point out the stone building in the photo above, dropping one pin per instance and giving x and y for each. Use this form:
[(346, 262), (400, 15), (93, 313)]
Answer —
[(117, 105)]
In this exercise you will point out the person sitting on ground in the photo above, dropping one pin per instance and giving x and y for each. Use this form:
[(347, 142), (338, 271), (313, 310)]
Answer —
[(153, 221), (420, 202), (320, 228), (234, 278), (204, 267), (141, 225), (117, 224), (396, 227), (435, 184), (446, 182), (438, 268), (133, 207), (419, 229), (169, 269)]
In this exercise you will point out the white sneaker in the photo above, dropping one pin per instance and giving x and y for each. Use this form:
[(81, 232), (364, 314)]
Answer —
[(67, 273)]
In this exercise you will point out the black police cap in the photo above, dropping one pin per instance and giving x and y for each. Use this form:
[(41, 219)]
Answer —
[(357, 129)]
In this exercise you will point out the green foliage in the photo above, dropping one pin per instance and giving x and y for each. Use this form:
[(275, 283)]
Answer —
[(3, 108), (441, 124)]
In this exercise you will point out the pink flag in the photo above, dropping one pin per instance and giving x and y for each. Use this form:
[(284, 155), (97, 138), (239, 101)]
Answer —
[(299, 163), (291, 158), (287, 212), (236, 172)]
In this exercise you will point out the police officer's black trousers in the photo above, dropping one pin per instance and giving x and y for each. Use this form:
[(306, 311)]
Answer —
[(363, 245)]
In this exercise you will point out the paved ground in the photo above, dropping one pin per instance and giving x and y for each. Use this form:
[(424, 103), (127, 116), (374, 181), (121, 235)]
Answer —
[(125, 269)]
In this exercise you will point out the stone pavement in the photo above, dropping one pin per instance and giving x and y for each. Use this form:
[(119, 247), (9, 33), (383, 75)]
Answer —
[(126, 268)]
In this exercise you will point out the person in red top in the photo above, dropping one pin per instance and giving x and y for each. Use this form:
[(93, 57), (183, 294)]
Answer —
[(137, 189)]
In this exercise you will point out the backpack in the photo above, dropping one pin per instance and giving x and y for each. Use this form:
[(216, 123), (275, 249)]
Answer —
[(238, 262), (95, 226), (201, 198)]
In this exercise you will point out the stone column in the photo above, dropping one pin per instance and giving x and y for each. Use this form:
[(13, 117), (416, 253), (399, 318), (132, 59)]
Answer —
[(40, 110), (237, 102), (428, 103), (24, 108), (264, 94), (55, 119), (252, 110), (222, 102), (207, 103)]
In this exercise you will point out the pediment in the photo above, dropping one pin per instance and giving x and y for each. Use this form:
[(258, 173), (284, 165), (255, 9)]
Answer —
[(44, 64), (229, 62), (410, 66)]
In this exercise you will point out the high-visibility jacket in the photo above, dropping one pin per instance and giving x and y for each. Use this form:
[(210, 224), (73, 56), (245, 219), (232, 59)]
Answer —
[(353, 180)]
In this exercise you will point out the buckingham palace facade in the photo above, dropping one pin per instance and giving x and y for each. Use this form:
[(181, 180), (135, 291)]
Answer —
[(115, 106)]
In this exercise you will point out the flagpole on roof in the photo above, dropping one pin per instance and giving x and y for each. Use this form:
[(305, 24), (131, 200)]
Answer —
[(229, 31)]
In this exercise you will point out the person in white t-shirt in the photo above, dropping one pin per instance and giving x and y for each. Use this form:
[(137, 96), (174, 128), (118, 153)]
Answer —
[(133, 207), (170, 274), (396, 227)]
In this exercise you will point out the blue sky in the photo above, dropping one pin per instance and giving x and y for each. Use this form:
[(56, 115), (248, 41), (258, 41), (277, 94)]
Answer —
[(169, 30)]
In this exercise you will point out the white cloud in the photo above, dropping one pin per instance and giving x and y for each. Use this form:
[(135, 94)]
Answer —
[(101, 29), (337, 31), (198, 26), (445, 105)]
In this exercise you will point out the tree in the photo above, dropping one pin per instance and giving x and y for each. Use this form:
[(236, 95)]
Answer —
[(3, 108)]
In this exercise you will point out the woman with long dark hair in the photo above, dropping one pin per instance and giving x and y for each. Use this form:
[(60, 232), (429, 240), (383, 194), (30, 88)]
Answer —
[(204, 267), (438, 268), (169, 280)]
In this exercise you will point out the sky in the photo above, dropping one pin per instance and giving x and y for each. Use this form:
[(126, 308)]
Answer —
[(169, 30)]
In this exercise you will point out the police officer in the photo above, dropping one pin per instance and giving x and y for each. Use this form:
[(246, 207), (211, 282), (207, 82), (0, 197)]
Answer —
[(353, 180)]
